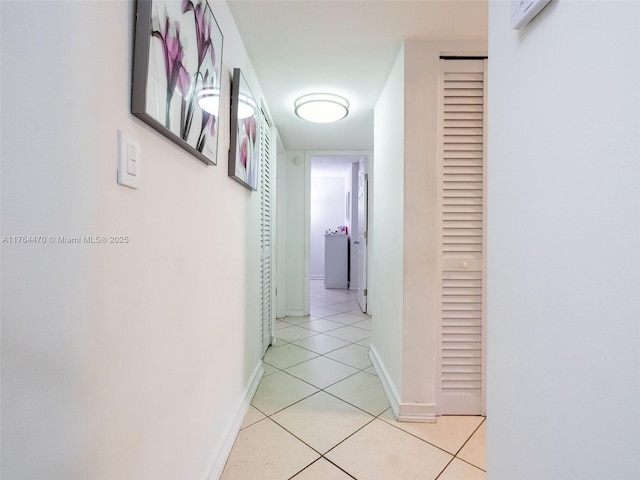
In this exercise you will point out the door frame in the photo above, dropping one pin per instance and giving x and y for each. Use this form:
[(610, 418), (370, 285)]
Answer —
[(363, 237), (309, 154)]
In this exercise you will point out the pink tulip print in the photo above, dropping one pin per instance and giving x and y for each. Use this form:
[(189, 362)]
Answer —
[(206, 76), (186, 33), (250, 127), (203, 30), (247, 154), (244, 151), (177, 76)]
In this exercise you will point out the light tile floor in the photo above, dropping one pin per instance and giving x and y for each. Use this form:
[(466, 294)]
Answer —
[(320, 412)]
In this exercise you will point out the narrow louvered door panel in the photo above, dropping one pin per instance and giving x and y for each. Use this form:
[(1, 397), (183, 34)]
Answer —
[(462, 227), (265, 239)]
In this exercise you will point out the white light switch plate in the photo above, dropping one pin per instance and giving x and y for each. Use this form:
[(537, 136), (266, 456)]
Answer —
[(129, 160)]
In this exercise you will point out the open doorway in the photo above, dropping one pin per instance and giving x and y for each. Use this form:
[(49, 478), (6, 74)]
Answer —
[(338, 217)]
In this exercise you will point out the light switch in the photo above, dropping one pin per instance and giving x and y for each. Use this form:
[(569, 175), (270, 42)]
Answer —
[(129, 160), (132, 167), (132, 160)]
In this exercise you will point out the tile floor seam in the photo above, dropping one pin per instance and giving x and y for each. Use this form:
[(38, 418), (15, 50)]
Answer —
[(300, 440), (356, 341), (468, 462), (472, 434), (349, 343), (445, 468), (328, 330), (322, 388), (290, 405), (349, 403), (295, 364), (265, 415), (421, 439), (348, 437), (346, 310), (322, 455), (340, 361), (323, 354), (339, 467), (340, 325), (348, 364), (297, 325), (328, 393), (316, 461)]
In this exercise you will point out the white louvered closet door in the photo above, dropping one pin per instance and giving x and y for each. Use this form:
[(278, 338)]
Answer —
[(266, 275), (461, 363)]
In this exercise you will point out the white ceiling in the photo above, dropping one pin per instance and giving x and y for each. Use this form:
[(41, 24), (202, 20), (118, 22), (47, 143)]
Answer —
[(340, 46)]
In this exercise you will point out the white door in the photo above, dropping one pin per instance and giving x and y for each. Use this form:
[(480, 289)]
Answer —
[(266, 273), (461, 306), (361, 241)]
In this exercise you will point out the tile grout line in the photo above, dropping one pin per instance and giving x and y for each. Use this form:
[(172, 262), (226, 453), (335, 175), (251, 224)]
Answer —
[(454, 455), (358, 370), (339, 467), (484, 419), (374, 417)]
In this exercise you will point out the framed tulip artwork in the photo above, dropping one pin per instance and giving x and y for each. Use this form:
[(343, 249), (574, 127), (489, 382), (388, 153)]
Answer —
[(177, 61), (245, 128)]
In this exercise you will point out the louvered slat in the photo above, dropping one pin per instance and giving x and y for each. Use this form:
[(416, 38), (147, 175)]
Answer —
[(265, 231), (462, 232)]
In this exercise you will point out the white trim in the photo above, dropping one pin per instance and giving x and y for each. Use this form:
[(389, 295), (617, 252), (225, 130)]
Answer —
[(417, 412), (439, 241), (387, 384), (223, 451), (280, 240), (317, 277), (307, 236), (402, 411), (295, 312)]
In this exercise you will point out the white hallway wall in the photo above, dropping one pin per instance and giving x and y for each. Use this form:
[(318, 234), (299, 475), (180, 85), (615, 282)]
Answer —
[(564, 231), (294, 171), (112, 359), (386, 270)]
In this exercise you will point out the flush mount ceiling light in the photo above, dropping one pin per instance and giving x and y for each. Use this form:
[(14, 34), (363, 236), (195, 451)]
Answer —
[(321, 107)]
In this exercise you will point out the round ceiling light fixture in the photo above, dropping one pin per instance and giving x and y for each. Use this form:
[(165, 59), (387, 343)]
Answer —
[(321, 107)]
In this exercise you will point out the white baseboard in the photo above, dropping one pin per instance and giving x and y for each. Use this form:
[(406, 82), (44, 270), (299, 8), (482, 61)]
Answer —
[(316, 277), (402, 411), (233, 428), (295, 312)]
